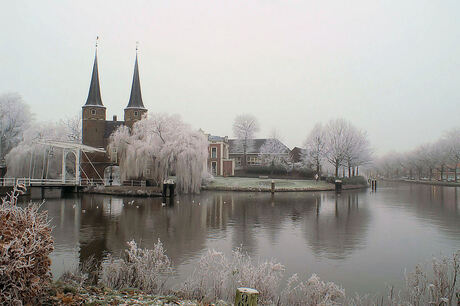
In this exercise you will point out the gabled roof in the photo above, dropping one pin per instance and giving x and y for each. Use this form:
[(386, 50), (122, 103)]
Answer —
[(135, 99), (254, 145), (217, 138), (94, 95), (111, 126)]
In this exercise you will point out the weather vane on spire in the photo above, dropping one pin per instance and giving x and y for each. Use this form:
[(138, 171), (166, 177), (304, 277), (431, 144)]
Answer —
[(137, 46), (97, 40)]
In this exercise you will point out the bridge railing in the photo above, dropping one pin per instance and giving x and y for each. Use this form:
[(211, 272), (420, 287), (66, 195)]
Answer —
[(92, 182), (12, 181)]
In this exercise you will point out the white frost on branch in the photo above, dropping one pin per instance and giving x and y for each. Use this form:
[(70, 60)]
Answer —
[(166, 145), (274, 153), (15, 117), (35, 160)]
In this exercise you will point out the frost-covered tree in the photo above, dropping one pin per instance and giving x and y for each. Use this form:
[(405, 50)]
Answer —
[(315, 147), (31, 158), (244, 129), (165, 145), (346, 146), (358, 151), (337, 132), (73, 128), (452, 139), (14, 119), (274, 153)]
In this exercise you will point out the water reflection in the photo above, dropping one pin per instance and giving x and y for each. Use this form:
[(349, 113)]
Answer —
[(339, 225), (323, 228)]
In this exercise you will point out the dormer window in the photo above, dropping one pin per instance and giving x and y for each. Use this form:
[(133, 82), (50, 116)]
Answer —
[(136, 114), (93, 112)]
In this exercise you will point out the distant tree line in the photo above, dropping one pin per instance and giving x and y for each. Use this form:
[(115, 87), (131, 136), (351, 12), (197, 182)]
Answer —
[(441, 157), (338, 143)]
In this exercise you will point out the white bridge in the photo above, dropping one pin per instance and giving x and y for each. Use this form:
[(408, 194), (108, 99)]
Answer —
[(77, 150)]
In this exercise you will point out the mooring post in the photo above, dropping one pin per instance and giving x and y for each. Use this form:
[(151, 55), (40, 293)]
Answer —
[(273, 186), (338, 185), (246, 297)]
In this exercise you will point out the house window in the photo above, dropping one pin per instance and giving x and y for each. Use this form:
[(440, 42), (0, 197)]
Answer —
[(213, 152), (214, 168), (253, 160), (93, 112), (238, 161), (136, 114)]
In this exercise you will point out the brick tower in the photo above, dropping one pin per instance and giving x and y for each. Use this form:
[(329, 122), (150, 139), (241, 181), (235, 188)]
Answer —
[(93, 128), (135, 109)]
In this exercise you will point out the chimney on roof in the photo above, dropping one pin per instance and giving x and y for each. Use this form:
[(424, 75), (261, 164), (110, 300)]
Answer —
[(114, 117)]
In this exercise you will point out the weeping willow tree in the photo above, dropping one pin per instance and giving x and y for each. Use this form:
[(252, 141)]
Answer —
[(165, 145)]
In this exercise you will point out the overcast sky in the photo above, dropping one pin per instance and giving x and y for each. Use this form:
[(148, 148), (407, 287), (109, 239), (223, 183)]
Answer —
[(391, 67)]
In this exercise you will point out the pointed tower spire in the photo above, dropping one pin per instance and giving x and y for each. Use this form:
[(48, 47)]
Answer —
[(135, 100), (94, 95)]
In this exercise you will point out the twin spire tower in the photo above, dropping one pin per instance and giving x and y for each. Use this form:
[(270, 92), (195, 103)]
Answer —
[(96, 130)]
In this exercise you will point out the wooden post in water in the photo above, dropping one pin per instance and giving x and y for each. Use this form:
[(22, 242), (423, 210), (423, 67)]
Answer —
[(246, 297), (273, 186)]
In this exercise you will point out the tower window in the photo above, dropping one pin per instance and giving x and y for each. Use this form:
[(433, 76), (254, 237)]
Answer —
[(93, 112), (136, 114)]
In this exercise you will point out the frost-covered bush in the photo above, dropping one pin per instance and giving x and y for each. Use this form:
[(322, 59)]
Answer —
[(25, 246), (314, 291), (436, 288), (86, 273), (217, 277), (440, 286), (144, 269)]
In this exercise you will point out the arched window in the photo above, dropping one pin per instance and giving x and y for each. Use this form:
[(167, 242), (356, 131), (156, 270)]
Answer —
[(93, 112)]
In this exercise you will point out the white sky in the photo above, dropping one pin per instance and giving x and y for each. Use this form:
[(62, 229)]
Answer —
[(391, 67)]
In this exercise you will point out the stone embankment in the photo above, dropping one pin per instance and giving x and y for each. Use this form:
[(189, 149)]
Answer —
[(132, 191)]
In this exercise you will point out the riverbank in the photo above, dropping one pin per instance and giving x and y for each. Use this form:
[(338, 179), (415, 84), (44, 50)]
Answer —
[(433, 183), (71, 294), (264, 185), (132, 191)]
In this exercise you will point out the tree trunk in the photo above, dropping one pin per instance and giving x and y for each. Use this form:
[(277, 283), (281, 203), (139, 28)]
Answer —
[(317, 168), (349, 171), (343, 171), (336, 169), (442, 173), (357, 170), (455, 173)]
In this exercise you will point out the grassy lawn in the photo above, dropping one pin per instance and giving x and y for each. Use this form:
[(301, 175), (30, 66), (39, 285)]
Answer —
[(256, 183)]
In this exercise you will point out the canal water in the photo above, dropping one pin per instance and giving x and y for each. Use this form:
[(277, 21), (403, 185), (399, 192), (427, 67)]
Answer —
[(362, 240)]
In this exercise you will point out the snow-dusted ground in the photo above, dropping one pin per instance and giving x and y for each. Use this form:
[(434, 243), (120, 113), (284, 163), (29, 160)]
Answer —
[(255, 184)]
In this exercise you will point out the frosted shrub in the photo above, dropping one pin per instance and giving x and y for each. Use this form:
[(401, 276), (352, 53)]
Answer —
[(145, 269), (217, 277), (264, 276), (85, 273), (314, 291), (25, 246), (438, 287), (209, 280)]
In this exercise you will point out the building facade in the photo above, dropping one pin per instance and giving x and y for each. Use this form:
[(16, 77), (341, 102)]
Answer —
[(96, 130), (253, 151), (219, 163)]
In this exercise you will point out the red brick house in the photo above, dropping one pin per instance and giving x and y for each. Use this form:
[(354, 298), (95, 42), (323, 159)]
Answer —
[(219, 163)]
